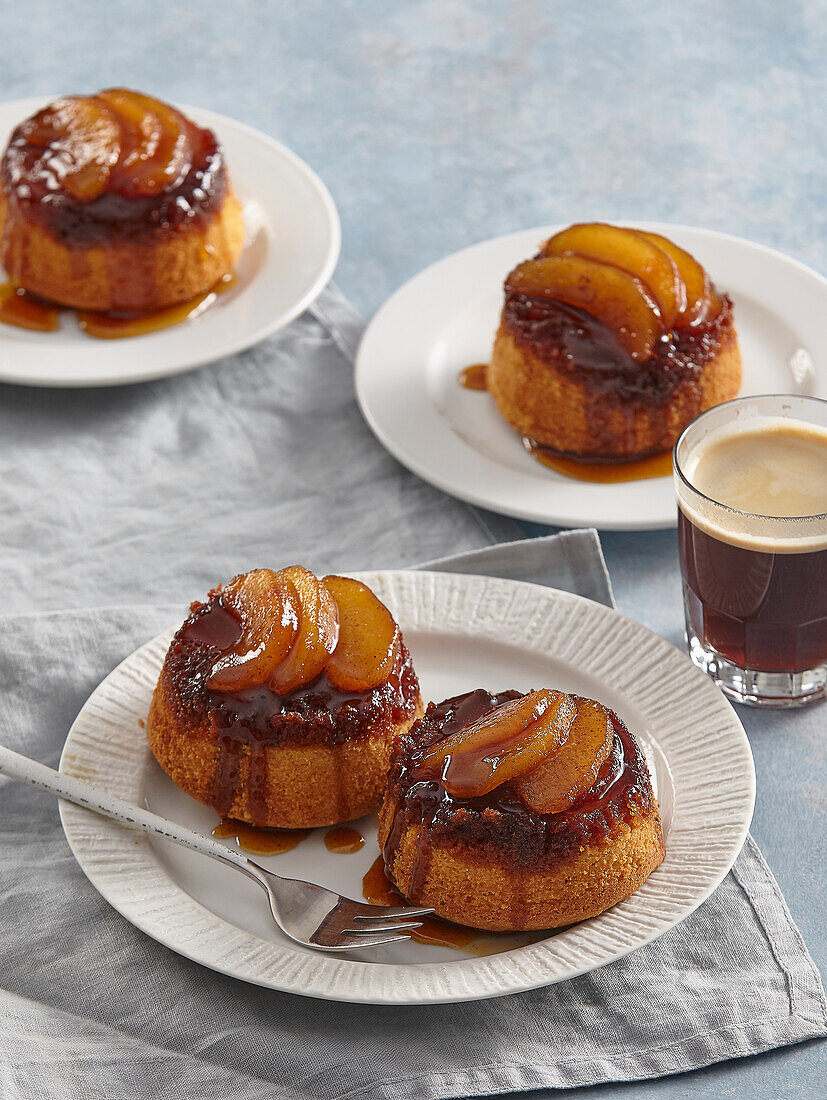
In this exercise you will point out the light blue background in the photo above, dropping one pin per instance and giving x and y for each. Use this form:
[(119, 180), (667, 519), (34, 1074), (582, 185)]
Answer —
[(440, 123)]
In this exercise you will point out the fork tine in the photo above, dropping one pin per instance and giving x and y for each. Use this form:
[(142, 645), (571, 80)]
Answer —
[(379, 912), (358, 942), (381, 928)]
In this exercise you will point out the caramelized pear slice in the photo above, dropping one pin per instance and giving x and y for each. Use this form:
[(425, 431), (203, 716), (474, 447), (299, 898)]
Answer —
[(268, 606), (317, 635), (82, 142), (702, 299), (561, 781), (610, 244), (368, 637), (613, 296), (156, 146), (508, 741)]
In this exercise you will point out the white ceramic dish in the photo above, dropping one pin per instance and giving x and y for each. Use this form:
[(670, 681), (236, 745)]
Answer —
[(445, 318), (464, 632), (292, 246)]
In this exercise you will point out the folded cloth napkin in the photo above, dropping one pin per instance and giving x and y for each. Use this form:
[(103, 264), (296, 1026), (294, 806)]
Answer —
[(154, 492), (91, 1007)]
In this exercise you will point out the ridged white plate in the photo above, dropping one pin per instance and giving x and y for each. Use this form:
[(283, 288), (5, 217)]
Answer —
[(445, 318), (292, 245), (464, 632)]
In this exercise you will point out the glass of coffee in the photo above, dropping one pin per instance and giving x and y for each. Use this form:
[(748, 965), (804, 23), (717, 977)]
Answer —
[(751, 481)]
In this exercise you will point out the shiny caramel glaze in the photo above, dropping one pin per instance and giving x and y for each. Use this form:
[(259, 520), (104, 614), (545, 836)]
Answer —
[(474, 377), (605, 472), (343, 839), (24, 310), (500, 826), (587, 350), (30, 175), (378, 889), (259, 840), (316, 713)]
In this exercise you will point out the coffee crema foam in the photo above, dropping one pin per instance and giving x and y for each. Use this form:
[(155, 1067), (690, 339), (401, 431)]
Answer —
[(766, 480)]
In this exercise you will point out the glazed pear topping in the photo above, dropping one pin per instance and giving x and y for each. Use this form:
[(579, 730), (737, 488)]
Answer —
[(368, 637), (317, 636), (550, 746), (268, 607), (81, 142), (119, 140), (633, 254), (156, 143), (619, 300), (295, 626), (702, 299), (564, 778), (506, 742), (638, 284)]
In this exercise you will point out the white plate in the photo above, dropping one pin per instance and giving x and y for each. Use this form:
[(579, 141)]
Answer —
[(445, 318), (292, 245), (463, 632)]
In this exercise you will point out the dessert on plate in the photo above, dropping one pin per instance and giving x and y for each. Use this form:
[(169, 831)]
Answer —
[(610, 341), (116, 202), (279, 699), (515, 812)]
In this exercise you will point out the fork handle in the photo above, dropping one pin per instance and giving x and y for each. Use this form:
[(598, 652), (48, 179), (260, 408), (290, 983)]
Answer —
[(81, 793)]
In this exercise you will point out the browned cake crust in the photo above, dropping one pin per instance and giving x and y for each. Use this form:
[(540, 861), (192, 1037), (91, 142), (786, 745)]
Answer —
[(563, 380), (492, 863), (317, 756), (117, 252)]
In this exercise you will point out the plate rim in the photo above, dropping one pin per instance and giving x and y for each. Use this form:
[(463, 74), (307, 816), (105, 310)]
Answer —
[(475, 978), (248, 339), (480, 498)]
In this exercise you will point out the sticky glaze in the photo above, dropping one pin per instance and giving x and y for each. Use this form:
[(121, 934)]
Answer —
[(500, 824), (33, 188), (588, 351), (242, 724)]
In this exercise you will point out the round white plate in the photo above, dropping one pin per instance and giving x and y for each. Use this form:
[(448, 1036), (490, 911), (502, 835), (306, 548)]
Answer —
[(445, 318), (292, 246), (464, 632)]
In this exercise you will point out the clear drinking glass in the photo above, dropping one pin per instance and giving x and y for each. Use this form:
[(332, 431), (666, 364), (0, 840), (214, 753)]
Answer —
[(754, 586)]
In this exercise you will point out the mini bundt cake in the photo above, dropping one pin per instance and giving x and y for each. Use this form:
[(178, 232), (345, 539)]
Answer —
[(515, 812), (279, 699), (610, 341), (116, 202)]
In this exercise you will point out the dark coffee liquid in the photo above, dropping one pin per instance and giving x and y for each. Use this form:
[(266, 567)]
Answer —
[(763, 611)]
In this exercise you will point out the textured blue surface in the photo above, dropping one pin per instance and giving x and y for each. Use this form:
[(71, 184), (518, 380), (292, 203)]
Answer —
[(440, 123)]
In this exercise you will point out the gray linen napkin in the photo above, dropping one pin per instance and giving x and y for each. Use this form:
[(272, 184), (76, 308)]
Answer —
[(154, 493)]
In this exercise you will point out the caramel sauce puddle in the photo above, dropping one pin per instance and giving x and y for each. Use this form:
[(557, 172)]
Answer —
[(259, 840), (474, 377), (659, 465), (24, 310), (343, 839)]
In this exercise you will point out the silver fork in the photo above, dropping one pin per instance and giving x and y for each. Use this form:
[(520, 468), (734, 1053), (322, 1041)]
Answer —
[(308, 914)]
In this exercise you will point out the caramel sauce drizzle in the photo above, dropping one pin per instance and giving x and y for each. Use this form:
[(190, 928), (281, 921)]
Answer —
[(258, 840), (24, 310), (343, 839)]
